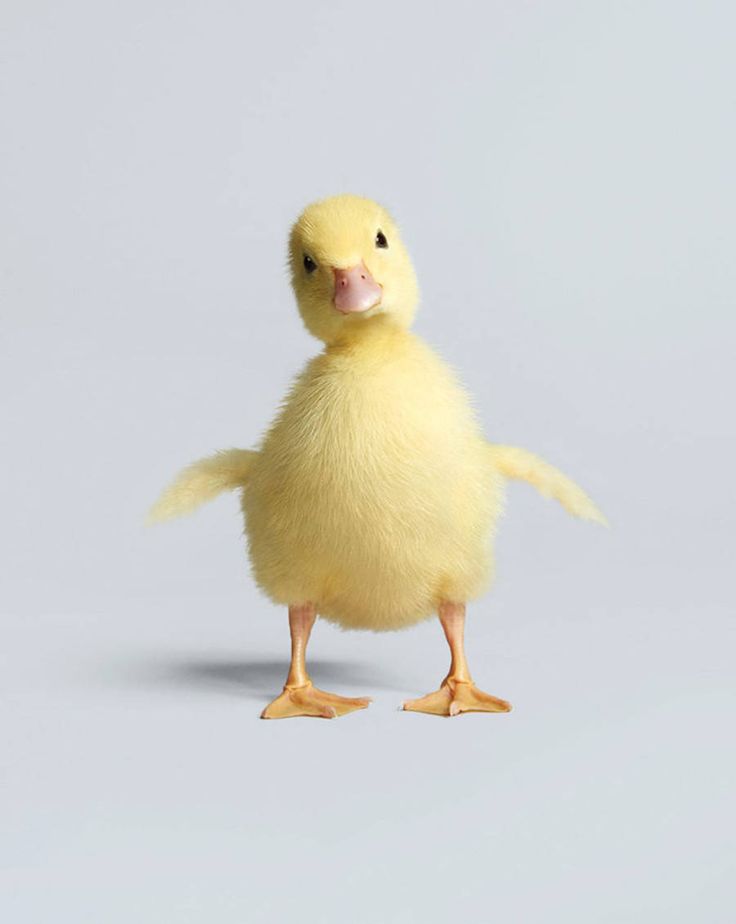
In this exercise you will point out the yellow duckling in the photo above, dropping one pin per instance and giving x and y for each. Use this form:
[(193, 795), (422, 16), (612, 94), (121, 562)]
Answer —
[(373, 497)]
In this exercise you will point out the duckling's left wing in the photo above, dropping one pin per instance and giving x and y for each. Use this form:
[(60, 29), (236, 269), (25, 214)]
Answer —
[(522, 465), (202, 481)]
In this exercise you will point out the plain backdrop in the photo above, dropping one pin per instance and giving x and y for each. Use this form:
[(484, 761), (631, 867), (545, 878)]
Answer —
[(564, 177)]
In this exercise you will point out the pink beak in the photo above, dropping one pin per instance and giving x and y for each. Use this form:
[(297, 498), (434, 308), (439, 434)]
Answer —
[(356, 289)]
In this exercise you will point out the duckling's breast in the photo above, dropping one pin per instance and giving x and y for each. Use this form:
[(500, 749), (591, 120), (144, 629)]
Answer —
[(373, 495)]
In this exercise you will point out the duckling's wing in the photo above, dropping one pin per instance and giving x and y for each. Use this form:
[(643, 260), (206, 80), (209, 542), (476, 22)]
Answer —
[(519, 464), (202, 481)]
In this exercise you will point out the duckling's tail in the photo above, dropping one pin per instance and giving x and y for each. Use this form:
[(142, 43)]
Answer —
[(549, 481), (201, 482)]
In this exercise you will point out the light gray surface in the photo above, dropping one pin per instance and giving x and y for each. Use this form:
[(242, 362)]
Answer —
[(564, 177)]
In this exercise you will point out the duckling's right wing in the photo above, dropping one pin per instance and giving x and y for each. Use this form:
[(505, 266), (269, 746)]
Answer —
[(202, 481)]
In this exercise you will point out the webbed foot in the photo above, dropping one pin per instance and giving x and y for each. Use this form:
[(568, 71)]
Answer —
[(454, 697), (308, 700)]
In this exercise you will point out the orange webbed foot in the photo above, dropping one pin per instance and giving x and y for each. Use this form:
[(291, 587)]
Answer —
[(307, 700), (455, 697)]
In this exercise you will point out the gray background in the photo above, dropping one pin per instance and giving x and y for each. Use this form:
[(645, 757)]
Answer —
[(563, 173)]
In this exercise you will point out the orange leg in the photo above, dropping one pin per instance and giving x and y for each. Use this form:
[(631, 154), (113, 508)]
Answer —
[(457, 692), (299, 697)]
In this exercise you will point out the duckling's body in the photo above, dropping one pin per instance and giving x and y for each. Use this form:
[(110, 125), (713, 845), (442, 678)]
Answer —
[(373, 494), (373, 497)]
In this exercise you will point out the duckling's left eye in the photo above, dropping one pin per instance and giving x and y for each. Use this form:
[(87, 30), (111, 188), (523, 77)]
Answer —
[(381, 240), (309, 265)]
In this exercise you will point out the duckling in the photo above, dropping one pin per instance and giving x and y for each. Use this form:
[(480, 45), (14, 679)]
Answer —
[(373, 497)]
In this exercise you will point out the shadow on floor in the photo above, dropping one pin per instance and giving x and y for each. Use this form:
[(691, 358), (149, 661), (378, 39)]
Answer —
[(257, 678)]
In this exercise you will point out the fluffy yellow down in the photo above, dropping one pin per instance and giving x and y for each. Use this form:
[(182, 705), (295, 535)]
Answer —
[(373, 494)]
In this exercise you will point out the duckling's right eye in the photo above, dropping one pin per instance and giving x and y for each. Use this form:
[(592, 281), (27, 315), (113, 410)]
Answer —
[(309, 265)]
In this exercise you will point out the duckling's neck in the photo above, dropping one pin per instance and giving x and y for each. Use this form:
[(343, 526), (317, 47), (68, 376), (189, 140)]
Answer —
[(375, 334)]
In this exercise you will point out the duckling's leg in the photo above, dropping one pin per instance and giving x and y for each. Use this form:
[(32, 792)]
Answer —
[(457, 693), (299, 696)]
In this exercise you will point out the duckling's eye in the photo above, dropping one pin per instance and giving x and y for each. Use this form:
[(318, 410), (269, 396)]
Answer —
[(309, 265), (381, 240)]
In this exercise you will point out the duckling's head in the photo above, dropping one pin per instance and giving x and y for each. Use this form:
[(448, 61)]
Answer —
[(349, 268)]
